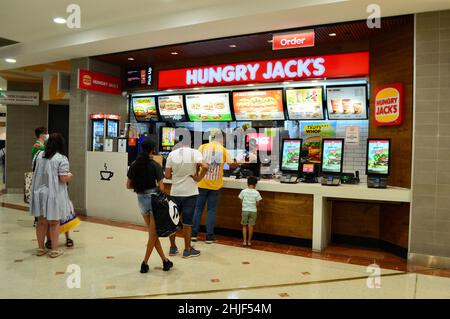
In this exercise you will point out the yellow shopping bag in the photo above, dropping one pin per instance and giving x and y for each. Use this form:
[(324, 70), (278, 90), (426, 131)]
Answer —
[(69, 223)]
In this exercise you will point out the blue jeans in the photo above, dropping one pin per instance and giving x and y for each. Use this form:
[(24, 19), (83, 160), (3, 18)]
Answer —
[(211, 198)]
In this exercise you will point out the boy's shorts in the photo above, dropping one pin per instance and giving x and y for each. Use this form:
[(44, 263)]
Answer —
[(248, 218)]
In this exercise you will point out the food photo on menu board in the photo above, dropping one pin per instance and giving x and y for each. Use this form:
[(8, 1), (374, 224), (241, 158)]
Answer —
[(347, 102), (305, 103), (291, 155), (212, 107), (378, 157), (171, 108), (258, 105), (332, 155), (144, 108)]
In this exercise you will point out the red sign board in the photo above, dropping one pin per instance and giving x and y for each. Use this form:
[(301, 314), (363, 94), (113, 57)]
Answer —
[(292, 40), (321, 66), (98, 82), (389, 104), (101, 116)]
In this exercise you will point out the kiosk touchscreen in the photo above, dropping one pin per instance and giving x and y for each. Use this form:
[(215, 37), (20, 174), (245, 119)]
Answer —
[(290, 160), (332, 161), (377, 162)]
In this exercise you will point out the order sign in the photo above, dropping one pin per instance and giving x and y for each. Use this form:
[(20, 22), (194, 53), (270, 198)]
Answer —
[(389, 104)]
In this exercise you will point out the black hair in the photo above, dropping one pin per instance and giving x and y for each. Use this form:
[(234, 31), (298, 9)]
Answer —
[(148, 147), (252, 181), (55, 144), (40, 130)]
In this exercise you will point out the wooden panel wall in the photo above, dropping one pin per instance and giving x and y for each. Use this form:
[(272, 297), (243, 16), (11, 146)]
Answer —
[(391, 60)]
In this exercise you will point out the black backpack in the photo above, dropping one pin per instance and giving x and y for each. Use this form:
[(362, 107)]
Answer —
[(165, 212)]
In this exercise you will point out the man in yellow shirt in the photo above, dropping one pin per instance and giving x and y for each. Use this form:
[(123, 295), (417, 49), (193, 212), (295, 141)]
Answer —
[(215, 155)]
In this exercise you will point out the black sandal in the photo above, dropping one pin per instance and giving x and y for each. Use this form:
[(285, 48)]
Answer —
[(69, 243), (48, 244)]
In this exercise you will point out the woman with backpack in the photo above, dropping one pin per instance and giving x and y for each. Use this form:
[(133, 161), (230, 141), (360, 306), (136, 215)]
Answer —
[(145, 177)]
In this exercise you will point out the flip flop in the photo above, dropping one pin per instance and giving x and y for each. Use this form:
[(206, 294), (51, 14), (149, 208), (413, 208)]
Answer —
[(55, 253), (40, 252), (69, 243)]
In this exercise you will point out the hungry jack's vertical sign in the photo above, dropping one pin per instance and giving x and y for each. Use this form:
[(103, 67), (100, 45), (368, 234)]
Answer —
[(389, 104)]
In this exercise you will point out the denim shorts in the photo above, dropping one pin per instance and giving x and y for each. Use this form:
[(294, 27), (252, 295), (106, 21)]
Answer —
[(186, 207), (145, 201)]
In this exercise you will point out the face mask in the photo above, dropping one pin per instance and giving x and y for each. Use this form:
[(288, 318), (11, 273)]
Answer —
[(46, 136)]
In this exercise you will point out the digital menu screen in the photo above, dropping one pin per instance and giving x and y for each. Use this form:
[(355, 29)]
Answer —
[(290, 158), (171, 108), (209, 107), (347, 102), (305, 103), (139, 76), (144, 108), (258, 105), (332, 155), (167, 138), (378, 157)]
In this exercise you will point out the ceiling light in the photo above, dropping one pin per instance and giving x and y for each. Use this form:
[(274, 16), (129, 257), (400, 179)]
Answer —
[(130, 59), (232, 45), (10, 60), (59, 20), (332, 34), (174, 53)]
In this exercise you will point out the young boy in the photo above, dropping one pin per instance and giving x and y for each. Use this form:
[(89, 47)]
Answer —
[(251, 200)]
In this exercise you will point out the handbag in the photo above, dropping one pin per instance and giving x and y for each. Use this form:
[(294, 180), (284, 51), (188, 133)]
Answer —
[(69, 224), (166, 214)]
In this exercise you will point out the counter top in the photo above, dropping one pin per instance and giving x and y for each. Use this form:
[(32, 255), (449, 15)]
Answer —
[(343, 191)]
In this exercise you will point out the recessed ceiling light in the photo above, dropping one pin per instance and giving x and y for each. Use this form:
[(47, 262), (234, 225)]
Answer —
[(174, 53), (130, 59), (332, 34), (10, 60), (232, 45), (59, 20)]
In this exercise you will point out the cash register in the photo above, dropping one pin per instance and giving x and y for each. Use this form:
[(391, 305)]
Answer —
[(332, 161), (309, 173), (290, 160), (377, 162)]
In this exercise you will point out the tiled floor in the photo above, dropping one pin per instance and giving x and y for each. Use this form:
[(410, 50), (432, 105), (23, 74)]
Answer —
[(108, 257)]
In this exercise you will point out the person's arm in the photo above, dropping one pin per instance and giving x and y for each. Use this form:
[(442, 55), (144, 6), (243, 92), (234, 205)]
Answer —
[(64, 174), (66, 178), (202, 169), (168, 173), (129, 184), (160, 178), (258, 201), (161, 186)]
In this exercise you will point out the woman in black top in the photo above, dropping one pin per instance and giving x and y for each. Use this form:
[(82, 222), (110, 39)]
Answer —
[(144, 177)]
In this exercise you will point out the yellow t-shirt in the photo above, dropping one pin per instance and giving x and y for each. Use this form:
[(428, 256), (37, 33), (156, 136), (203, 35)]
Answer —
[(215, 155)]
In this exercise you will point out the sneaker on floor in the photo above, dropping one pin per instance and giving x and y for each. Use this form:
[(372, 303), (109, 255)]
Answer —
[(191, 253), (210, 239), (173, 251), (167, 265), (144, 268)]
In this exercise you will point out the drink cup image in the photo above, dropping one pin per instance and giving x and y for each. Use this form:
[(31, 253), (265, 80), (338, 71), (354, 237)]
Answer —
[(106, 175), (357, 107), (336, 106), (347, 105)]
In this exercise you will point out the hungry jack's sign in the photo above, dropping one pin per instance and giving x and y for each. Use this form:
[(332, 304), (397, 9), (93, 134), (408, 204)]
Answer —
[(321, 66), (389, 104)]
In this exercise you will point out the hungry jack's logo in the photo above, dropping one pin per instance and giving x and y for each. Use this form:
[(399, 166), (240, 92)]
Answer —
[(87, 80), (389, 105)]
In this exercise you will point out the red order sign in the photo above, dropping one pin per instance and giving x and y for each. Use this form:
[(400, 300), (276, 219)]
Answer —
[(293, 40), (321, 66), (98, 82)]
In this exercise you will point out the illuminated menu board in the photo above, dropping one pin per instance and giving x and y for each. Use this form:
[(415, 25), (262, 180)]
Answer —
[(258, 105), (332, 155), (378, 156), (139, 77), (171, 108), (144, 108), (209, 107), (305, 103), (347, 102)]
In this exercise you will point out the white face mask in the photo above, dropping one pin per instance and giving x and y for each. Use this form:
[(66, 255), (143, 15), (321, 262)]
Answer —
[(46, 137)]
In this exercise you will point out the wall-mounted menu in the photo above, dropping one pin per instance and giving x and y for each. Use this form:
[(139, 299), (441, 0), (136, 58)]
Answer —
[(144, 108), (332, 155), (171, 108), (305, 103), (258, 105), (347, 102), (212, 107), (378, 156)]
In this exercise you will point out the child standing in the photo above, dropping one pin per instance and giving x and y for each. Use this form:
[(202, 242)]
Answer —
[(251, 200)]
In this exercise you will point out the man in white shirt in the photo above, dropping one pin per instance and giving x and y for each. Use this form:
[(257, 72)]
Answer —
[(185, 167)]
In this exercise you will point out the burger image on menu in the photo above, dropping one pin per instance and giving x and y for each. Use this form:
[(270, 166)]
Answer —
[(313, 146), (170, 105)]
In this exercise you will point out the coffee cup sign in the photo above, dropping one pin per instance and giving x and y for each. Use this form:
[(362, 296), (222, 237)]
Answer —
[(389, 104), (106, 175)]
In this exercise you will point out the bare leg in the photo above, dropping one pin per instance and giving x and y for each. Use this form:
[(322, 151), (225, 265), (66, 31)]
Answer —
[(244, 233), (187, 236), (250, 233), (54, 233), (41, 230), (151, 239), (67, 235), (172, 240), (157, 241)]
